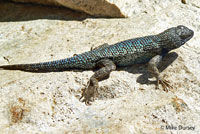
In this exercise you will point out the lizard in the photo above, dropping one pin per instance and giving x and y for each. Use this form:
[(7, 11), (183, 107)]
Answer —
[(106, 58)]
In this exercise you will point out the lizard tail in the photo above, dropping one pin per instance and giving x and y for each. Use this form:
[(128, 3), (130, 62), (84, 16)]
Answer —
[(73, 63), (59, 65), (35, 67), (85, 61), (51, 66), (11, 67)]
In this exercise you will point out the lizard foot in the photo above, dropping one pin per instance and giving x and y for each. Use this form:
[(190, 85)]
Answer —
[(88, 94), (165, 84)]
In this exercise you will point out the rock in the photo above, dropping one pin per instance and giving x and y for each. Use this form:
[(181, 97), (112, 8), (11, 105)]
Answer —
[(43, 2), (48, 103), (25, 12), (110, 8), (184, 1), (98, 8), (195, 3)]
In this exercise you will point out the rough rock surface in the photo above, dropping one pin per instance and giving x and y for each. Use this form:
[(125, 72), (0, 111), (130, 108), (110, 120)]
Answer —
[(113, 8), (26, 12), (98, 8), (47, 103)]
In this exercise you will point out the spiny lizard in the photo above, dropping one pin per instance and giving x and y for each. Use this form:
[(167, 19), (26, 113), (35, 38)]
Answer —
[(106, 58)]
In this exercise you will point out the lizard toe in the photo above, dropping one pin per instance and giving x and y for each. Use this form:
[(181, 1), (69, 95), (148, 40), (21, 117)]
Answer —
[(88, 95), (165, 84)]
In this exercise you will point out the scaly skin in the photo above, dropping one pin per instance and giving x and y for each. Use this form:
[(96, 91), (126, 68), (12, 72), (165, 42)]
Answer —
[(106, 58)]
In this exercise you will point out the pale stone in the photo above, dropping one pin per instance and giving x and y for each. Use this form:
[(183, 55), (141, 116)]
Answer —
[(48, 103), (114, 8), (96, 8)]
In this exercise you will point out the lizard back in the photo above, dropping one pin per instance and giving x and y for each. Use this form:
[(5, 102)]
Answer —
[(133, 51)]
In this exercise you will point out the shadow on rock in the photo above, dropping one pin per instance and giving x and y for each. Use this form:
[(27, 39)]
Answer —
[(142, 68), (12, 12)]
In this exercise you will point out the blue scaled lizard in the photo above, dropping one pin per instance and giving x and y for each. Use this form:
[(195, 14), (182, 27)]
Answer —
[(106, 58)]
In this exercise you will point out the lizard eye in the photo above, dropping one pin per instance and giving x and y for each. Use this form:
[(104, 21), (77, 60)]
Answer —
[(182, 32), (180, 27)]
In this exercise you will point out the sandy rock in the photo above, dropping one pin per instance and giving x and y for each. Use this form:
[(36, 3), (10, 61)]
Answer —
[(98, 8), (44, 2), (25, 12), (114, 8), (48, 103)]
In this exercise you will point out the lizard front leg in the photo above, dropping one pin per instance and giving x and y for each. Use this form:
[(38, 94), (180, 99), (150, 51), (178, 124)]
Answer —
[(152, 67), (106, 67)]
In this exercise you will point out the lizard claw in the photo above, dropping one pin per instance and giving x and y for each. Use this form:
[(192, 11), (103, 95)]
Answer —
[(165, 84), (87, 102), (87, 95)]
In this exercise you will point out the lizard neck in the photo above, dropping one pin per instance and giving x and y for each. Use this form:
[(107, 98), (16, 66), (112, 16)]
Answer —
[(169, 40), (163, 40)]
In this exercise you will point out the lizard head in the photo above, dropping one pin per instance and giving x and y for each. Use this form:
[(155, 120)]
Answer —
[(176, 36), (184, 33)]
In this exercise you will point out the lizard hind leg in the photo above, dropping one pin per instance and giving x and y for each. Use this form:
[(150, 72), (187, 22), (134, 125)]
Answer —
[(107, 66), (152, 67)]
